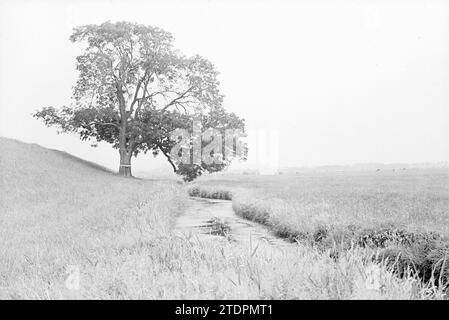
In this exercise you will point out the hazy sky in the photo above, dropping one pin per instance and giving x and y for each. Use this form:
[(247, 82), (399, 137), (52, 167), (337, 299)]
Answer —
[(327, 82)]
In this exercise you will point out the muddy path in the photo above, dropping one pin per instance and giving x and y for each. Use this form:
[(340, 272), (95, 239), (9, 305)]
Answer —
[(209, 218)]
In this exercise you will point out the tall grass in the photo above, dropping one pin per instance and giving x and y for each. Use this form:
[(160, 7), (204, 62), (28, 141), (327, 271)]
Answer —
[(321, 217), (58, 214), (209, 192)]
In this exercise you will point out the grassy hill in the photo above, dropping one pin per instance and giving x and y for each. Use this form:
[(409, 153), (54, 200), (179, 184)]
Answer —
[(57, 210), (39, 182)]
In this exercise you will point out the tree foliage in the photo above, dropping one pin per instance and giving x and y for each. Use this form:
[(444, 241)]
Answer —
[(134, 89)]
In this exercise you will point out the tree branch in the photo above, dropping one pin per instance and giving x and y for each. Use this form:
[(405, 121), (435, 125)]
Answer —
[(176, 99), (168, 158), (104, 124), (135, 99)]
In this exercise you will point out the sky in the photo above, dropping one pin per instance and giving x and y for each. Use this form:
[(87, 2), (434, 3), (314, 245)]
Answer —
[(318, 82)]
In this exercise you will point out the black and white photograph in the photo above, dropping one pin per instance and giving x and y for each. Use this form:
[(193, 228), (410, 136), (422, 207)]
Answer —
[(205, 152)]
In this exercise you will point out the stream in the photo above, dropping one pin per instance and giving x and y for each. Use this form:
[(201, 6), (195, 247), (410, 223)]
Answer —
[(207, 218)]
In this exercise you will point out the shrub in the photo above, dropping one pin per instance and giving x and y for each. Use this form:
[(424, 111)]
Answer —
[(210, 193), (427, 258)]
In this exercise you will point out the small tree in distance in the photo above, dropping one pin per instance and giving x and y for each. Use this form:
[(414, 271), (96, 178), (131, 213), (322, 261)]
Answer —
[(134, 89)]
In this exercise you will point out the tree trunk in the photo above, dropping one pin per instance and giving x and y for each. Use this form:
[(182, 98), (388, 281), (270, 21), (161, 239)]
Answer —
[(125, 164)]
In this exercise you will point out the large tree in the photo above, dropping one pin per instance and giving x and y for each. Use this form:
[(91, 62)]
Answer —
[(134, 89)]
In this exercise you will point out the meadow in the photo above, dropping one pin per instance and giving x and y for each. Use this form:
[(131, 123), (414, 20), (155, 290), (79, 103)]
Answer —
[(58, 213), (415, 200), (404, 213)]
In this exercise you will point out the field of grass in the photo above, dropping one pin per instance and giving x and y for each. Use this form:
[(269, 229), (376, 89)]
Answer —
[(416, 200), (405, 213), (59, 213)]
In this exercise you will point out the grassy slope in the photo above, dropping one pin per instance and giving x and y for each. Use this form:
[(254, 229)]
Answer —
[(57, 211)]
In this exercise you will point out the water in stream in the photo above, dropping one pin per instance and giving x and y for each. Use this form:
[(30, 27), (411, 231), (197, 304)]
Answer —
[(206, 218)]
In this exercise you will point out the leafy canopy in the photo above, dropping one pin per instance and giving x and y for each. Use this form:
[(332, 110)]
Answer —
[(134, 89)]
